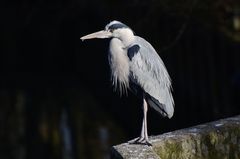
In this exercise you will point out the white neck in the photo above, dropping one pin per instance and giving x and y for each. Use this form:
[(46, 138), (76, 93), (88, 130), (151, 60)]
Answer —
[(127, 37), (128, 40)]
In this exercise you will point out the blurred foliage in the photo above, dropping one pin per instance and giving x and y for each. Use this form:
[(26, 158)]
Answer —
[(55, 124)]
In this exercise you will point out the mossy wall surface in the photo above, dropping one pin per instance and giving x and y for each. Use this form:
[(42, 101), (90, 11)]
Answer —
[(215, 140)]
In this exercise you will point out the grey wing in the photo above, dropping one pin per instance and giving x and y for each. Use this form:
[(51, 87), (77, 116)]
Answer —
[(149, 72)]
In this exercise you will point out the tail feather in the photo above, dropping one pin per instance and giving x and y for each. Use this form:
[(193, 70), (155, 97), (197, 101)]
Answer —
[(155, 104)]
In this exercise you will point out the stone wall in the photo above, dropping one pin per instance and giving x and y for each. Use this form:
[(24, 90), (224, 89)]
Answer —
[(215, 140)]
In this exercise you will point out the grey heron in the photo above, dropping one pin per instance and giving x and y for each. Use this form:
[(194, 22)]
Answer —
[(136, 66)]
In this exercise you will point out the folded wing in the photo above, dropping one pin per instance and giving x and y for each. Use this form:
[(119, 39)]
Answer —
[(149, 73)]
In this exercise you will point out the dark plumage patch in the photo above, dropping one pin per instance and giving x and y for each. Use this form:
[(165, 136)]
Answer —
[(117, 26), (136, 89), (132, 51)]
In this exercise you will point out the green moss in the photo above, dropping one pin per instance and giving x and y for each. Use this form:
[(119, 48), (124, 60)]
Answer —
[(176, 149), (215, 140), (212, 144), (170, 150)]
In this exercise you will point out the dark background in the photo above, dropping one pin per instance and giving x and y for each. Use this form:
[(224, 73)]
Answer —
[(56, 99)]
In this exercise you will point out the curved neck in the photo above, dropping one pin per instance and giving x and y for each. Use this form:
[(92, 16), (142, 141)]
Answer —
[(128, 38)]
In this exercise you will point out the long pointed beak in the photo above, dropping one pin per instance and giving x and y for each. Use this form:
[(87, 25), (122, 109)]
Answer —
[(100, 34)]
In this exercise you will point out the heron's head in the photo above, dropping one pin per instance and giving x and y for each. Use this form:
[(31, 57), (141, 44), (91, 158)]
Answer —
[(114, 29)]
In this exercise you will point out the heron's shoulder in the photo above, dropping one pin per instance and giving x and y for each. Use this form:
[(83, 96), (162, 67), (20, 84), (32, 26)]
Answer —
[(141, 40), (138, 38), (144, 44), (143, 48)]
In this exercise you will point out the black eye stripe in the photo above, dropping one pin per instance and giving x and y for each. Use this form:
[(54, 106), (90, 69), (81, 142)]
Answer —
[(117, 26)]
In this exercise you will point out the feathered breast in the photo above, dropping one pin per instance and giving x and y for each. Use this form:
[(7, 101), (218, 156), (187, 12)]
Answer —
[(119, 65)]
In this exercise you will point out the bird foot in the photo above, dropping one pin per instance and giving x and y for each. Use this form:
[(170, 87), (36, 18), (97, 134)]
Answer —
[(141, 141)]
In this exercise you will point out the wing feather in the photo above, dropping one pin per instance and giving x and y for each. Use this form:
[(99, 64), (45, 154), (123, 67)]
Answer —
[(149, 72)]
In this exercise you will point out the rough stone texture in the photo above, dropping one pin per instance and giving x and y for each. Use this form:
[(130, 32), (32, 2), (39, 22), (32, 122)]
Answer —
[(215, 140)]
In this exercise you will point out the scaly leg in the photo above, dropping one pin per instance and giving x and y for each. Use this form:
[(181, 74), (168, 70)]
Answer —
[(143, 139), (145, 109)]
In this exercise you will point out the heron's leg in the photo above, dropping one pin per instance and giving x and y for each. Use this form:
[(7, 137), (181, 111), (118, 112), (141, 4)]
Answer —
[(145, 109), (144, 122), (140, 139), (143, 139), (145, 134)]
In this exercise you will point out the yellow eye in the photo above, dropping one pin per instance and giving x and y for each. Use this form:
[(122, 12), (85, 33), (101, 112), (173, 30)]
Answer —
[(111, 30)]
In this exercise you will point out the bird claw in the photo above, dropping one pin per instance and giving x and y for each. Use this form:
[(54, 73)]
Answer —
[(141, 141)]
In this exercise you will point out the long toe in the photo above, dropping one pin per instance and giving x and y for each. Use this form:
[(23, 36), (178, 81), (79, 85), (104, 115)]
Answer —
[(140, 141), (136, 141), (145, 142)]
